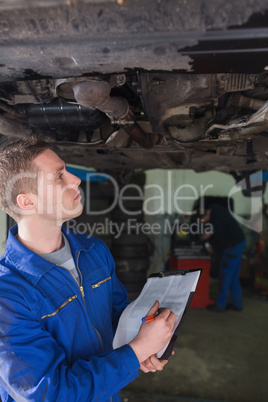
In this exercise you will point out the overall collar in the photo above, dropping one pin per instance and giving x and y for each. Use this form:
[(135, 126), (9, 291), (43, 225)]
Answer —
[(31, 265)]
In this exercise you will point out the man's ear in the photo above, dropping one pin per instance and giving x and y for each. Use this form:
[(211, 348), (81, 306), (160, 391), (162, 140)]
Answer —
[(26, 202)]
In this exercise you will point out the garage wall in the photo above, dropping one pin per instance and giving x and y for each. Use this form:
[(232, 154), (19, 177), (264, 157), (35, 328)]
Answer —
[(169, 191)]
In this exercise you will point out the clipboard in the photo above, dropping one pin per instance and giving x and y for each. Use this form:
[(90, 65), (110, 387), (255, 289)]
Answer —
[(174, 290), (167, 353)]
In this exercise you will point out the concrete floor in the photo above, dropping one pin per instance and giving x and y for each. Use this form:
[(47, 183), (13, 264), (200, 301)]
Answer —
[(218, 357)]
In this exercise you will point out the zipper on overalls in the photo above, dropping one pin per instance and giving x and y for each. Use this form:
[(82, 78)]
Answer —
[(60, 308), (83, 294), (97, 285), (83, 297)]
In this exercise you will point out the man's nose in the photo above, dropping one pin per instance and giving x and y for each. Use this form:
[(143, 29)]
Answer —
[(76, 181)]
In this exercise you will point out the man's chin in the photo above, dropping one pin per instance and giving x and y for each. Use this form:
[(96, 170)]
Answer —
[(60, 217), (71, 214)]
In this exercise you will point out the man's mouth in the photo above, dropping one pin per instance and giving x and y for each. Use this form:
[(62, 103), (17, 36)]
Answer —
[(78, 197)]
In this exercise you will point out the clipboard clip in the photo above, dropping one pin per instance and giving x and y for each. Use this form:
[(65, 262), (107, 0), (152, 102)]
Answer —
[(163, 274)]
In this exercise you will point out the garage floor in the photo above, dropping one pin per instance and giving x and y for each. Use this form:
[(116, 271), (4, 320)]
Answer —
[(218, 357)]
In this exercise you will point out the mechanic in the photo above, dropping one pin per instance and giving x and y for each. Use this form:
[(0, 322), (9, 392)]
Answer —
[(60, 300), (228, 241)]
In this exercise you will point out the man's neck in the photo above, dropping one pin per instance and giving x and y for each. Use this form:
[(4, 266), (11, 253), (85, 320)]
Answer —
[(40, 237)]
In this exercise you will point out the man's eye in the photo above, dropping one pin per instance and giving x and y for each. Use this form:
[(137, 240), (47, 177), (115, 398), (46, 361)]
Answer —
[(60, 176)]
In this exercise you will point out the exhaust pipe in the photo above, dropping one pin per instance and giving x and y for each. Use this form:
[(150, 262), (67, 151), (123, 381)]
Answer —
[(97, 94)]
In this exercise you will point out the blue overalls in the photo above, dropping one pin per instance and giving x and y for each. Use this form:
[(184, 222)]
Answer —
[(55, 333), (229, 277)]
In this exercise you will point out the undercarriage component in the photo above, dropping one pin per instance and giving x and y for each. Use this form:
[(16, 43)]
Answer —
[(246, 126), (169, 95), (96, 94), (59, 114), (188, 128), (133, 129), (27, 91), (235, 82), (12, 128), (239, 100)]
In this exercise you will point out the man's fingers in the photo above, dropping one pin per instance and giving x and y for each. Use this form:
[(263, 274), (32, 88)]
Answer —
[(171, 318), (153, 364), (148, 366), (156, 363), (167, 315), (145, 369), (164, 313), (153, 310)]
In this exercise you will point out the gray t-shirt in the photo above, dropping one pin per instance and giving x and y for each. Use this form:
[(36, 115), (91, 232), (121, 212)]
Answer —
[(64, 258)]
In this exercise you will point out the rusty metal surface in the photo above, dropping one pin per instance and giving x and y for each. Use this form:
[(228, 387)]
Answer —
[(19, 4), (74, 38)]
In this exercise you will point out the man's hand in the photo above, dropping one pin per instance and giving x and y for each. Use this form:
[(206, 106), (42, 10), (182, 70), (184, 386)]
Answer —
[(153, 364), (153, 335)]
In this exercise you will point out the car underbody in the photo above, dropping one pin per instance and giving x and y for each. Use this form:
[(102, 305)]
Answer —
[(132, 84)]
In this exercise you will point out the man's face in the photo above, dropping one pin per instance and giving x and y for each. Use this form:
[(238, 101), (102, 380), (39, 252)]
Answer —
[(58, 193)]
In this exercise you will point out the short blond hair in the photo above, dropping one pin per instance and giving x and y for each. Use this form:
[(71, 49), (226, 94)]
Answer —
[(17, 158)]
